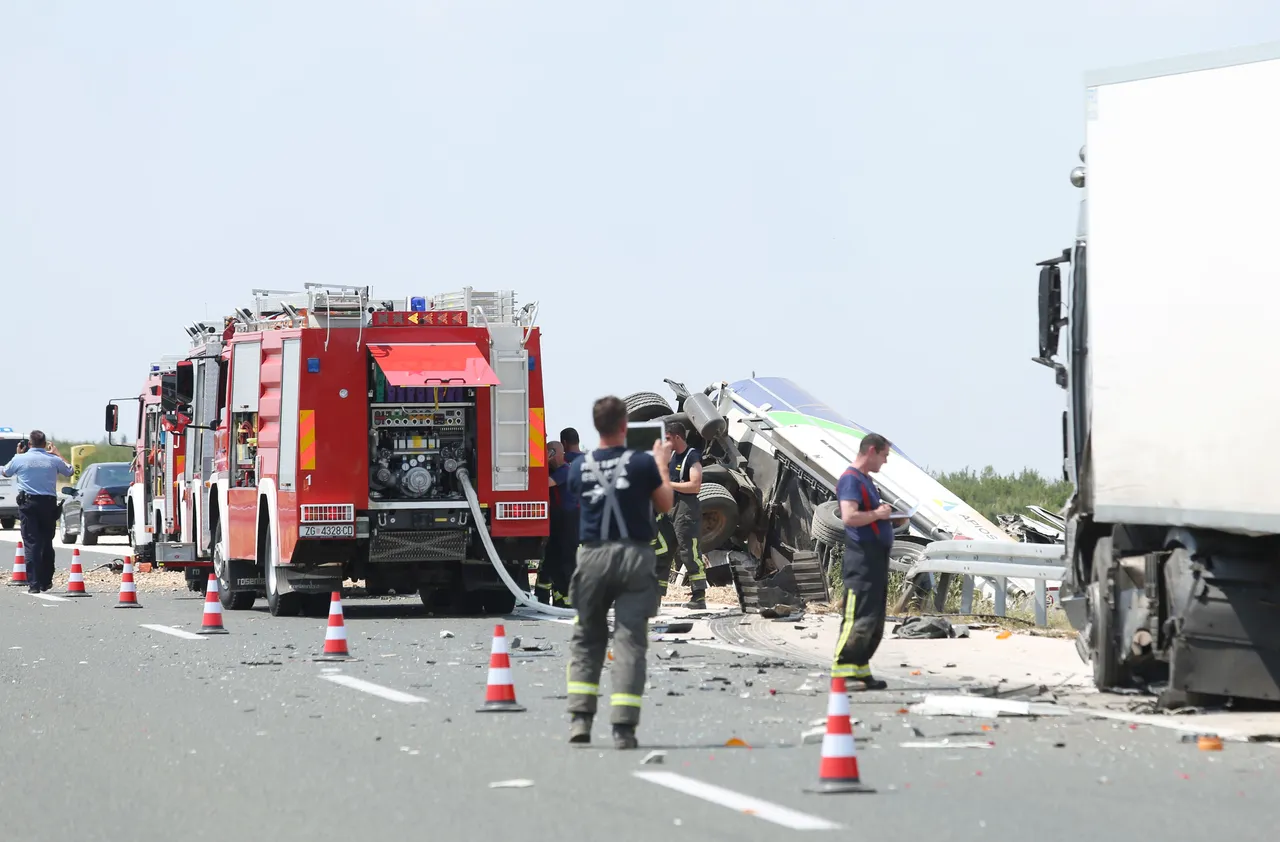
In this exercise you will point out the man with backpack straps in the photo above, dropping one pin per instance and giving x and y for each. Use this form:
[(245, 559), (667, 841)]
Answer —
[(618, 491)]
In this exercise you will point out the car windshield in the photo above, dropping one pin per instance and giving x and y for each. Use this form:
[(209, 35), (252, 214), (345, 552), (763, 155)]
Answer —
[(114, 474), (8, 449)]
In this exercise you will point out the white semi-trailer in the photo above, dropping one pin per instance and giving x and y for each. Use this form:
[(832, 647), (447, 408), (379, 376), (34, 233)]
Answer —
[(1170, 316)]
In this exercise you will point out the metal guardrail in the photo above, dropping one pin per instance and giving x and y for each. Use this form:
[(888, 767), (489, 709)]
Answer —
[(997, 561)]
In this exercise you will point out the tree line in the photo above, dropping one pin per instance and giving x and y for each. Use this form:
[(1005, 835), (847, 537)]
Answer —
[(992, 494)]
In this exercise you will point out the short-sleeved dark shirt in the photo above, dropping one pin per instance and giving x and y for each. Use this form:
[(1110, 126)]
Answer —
[(681, 465), (634, 494), (561, 497), (857, 486)]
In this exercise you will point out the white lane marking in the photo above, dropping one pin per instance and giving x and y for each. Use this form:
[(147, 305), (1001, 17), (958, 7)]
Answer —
[(49, 597), (766, 810), (182, 633), (373, 689)]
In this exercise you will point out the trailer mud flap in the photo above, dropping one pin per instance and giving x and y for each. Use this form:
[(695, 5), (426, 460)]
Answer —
[(1227, 613)]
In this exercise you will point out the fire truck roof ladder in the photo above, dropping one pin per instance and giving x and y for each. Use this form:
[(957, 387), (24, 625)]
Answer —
[(499, 306), (487, 308), (318, 305)]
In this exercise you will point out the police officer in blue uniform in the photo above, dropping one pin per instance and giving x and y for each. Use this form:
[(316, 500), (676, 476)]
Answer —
[(868, 539), (37, 472)]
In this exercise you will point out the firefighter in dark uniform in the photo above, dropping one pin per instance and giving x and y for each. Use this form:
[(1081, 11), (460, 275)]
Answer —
[(868, 539), (664, 547), (618, 491), (686, 517), (556, 570)]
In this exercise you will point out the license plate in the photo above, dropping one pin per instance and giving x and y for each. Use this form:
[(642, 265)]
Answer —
[(327, 530)]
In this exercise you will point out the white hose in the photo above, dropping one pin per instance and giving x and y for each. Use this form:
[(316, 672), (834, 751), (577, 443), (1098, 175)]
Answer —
[(522, 598)]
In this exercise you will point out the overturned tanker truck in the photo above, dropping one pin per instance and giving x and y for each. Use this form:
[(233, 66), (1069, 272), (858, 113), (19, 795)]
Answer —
[(771, 457)]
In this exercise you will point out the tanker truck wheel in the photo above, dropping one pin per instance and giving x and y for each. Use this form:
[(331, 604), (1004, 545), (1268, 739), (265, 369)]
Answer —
[(646, 406), (719, 516)]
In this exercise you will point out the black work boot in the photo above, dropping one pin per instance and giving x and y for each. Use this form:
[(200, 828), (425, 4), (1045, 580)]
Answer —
[(697, 601), (624, 737), (868, 683), (580, 728)]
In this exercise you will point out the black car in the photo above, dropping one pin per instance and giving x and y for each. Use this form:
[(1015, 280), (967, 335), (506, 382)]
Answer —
[(96, 504)]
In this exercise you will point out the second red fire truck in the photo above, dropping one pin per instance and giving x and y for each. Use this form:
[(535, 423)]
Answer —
[(323, 435)]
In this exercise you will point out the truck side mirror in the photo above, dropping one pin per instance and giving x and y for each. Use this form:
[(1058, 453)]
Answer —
[(113, 418), (1050, 309)]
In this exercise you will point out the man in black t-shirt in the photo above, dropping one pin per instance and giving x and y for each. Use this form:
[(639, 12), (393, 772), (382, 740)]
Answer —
[(686, 516), (618, 491)]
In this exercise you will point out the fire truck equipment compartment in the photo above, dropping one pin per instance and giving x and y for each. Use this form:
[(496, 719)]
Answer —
[(434, 364)]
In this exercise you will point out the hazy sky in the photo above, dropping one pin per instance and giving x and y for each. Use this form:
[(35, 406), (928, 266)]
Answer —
[(849, 194)]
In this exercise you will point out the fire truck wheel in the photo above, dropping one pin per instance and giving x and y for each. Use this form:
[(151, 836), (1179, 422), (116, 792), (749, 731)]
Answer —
[(316, 604), (231, 599), (281, 604), (8, 523), (499, 602)]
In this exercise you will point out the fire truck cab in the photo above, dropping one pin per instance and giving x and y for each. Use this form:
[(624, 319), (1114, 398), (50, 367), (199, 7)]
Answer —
[(321, 436)]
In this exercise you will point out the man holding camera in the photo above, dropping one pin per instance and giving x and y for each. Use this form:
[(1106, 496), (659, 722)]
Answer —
[(37, 472)]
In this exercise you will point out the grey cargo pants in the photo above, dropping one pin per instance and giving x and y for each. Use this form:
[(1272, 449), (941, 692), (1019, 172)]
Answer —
[(686, 515), (617, 574)]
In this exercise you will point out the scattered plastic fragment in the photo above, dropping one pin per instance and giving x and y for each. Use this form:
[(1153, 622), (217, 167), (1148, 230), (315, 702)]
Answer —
[(519, 783), (1004, 635), (1209, 743), (654, 758), (445, 634), (948, 744), (734, 742), (939, 705)]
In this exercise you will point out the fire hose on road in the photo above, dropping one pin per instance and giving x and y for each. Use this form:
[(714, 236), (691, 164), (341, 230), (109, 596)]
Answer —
[(522, 597)]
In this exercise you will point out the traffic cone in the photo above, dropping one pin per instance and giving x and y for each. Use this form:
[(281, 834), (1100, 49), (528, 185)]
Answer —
[(128, 590), (75, 582), (839, 769), (212, 623), (19, 567), (335, 637), (500, 694)]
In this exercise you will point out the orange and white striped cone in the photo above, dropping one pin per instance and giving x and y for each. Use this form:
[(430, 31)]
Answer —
[(212, 623), (838, 771), (128, 590), (75, 581), (335, 636), (500, 694), (19, 576)]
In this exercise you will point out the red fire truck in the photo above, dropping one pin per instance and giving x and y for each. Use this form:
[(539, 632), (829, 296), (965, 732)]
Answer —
[(323, 435)]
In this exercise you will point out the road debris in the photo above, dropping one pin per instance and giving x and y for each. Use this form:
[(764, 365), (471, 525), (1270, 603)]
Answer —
[(924, 628), (947, 744), (445, 634), (654, 758), (942, 705), (518, 783)]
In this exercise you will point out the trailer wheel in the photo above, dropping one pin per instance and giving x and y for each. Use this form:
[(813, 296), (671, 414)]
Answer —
[(646, 406), (719, 516), (826, 526), (1101, 596)]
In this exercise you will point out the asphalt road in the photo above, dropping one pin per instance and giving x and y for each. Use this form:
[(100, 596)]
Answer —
[(113, 731)]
